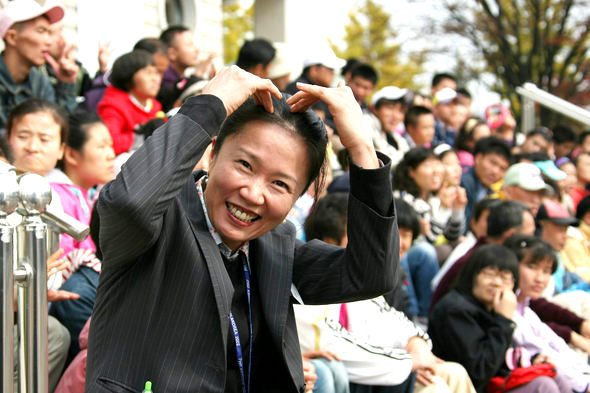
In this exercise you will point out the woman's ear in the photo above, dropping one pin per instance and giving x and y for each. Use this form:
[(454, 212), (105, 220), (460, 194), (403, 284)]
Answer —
[(62, 148), (71, 157)]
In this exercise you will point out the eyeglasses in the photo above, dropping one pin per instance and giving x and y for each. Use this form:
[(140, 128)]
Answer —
[(491, 273)]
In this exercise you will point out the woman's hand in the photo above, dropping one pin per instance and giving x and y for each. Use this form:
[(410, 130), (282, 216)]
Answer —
[(233, 86), (505, 303), (348, 119), (309, 375), (460, 200), (55, 264)]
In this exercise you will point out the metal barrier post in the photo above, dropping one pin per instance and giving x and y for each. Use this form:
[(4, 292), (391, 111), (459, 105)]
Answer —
[(31, 276), (9, 196)]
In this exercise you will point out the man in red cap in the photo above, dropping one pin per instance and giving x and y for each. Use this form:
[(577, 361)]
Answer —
[(24, 27)]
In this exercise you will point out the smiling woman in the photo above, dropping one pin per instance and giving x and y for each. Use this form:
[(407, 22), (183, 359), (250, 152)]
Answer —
[(208, 269)]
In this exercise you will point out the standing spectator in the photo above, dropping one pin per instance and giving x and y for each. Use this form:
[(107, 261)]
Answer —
[(182, 53), (584, 141), (537, 140), (523, 183), (256, 57), (491, 160), (130, 100), (363, 79), (24, 27), (501, 123), (387, 112), (444, 105), (420, 126), (441, 81), (564, 141), (280, 72), (580, 190), (472, 131)]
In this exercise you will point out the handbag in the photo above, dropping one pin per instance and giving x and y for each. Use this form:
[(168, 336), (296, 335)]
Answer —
[(520, 376)]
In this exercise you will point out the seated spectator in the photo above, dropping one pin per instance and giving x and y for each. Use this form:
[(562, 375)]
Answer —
[(87, 163), (24, 27), (419, 177), (360, 333), (536, 264), (130, 101), (567, 184), (387, 113), (470, 132), (523, 183), (564, 141), (419, 126), (478, 227), (444, 106), (256, 57), (537, 140), (363, 79), (576, 253), (473, 324), (505, 219), (580, 189), (501, 123), (491, 160)]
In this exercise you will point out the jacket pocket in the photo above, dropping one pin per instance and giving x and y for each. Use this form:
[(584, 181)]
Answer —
[(114, 386)]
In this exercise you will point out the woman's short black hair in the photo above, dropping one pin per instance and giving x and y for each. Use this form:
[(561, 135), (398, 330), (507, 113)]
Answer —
[(489, 255), (36, 105), (407, 217), (79, 122), (465, 135), (412, 159), (532, 248), (127, 65), (306, 124)]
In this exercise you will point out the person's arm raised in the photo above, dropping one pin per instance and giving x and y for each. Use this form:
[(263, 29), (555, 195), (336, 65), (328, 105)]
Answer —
[(348, 118), (134, 203)]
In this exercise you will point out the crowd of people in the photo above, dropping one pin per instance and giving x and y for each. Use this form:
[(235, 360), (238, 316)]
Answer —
[(492, 235)]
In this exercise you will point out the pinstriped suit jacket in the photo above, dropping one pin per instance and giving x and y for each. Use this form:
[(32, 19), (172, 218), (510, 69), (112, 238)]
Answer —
[(163, 302)]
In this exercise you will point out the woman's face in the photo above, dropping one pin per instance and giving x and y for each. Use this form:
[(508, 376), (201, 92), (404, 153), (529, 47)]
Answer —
[(488, 282), (94, 164), (570, 181), (533, 278), (254, 180), (453, 169), (428, 175), (146, 82), (36, 142)]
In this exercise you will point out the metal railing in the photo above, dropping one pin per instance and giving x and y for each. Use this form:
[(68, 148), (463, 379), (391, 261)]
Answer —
[(531, 94), (24, 248)]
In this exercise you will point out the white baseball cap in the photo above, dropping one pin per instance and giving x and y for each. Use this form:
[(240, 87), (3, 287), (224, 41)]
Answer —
[(22, 10), (324, 56), (444, 96), (525, 175), (392, 93)]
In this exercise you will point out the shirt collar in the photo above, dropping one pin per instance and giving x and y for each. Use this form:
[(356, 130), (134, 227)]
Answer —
[(223, 248)]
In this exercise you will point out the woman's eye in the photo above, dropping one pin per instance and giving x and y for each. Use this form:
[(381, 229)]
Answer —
[(281, 184), (244, 164)]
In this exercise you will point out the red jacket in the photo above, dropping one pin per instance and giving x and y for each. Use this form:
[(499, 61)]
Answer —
[(121, 115)]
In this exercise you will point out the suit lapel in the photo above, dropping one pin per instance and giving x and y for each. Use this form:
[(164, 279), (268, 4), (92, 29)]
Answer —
[(222, 286), (273, 266)]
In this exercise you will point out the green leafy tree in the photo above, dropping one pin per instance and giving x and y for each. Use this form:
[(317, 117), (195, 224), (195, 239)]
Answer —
[(238, 25), (370, 38), (541, 41)]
